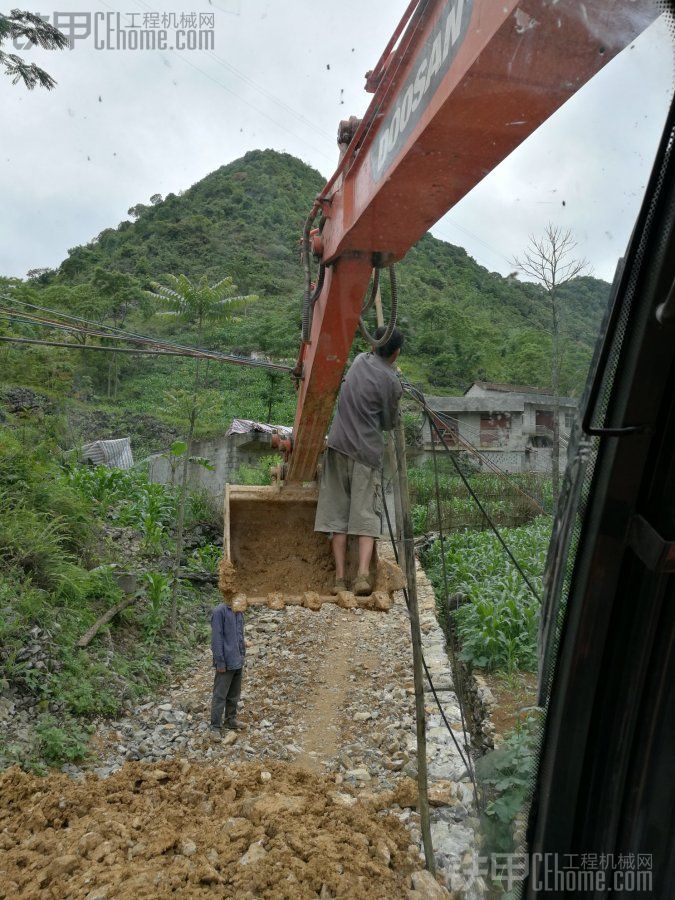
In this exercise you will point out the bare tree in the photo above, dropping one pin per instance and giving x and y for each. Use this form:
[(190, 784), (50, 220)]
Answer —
[(550, 260)]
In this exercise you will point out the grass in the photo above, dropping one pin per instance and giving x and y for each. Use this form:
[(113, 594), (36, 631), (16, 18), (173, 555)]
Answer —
[(57, 576)]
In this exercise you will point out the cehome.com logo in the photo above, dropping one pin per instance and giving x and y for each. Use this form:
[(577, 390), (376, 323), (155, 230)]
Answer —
[(431, 64)]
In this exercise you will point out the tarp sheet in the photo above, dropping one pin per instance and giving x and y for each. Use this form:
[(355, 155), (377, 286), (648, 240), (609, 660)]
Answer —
[(246, 426), (115, 454)]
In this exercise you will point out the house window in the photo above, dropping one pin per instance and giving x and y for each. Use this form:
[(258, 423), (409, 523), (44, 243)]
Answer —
[(494, 429), (569, 421)]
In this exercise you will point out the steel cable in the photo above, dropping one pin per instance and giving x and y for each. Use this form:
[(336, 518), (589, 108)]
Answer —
[(418, 396), (467, 764)]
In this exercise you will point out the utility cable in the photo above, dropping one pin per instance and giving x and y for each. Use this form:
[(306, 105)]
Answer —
[(98, 347), (114, 333), (468, 765), (471, 448), (418, 396), (462, 692)]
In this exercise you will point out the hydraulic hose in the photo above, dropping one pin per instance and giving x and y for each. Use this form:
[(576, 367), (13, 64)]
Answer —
[(373, 293), (380, 342)]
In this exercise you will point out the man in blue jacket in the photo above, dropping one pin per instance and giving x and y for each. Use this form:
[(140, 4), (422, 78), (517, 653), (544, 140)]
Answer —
[(229, 650)]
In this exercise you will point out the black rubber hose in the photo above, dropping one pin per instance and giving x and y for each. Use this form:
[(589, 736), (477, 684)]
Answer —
[(380, 342), (373, 292), (319, 284)]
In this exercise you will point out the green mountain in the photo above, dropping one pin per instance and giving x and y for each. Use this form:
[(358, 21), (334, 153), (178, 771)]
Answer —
[(462, 322), (244, 220)]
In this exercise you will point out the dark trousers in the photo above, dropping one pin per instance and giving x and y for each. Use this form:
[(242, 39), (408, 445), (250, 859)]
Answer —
[(226, 690)]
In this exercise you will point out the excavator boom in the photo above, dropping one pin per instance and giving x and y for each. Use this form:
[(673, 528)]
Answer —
[(467, 83), (460, 85)]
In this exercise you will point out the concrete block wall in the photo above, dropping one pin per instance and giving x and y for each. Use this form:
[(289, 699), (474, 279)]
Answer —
[(226, 454)]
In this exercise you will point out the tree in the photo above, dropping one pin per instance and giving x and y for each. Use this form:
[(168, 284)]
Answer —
[(550, 261), (195, 304), (35, 30), (118, 293)]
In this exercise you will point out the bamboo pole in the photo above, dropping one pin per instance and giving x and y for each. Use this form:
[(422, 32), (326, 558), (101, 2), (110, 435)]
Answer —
[(391, 457), (406, 559), (408, 556)]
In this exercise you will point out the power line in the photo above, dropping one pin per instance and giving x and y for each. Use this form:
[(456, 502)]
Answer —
[(115, 333), (418, 396)]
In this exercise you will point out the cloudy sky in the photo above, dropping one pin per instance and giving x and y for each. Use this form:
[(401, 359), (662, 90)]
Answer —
[(122, 125)]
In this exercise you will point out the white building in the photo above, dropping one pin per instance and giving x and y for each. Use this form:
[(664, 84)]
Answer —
[(510, 425)]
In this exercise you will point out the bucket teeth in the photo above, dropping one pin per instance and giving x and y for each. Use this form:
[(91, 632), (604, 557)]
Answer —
[(312, 600), (346, 600), (275, 600)]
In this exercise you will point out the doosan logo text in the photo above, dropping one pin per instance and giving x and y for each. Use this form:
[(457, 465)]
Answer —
[(431, 64)]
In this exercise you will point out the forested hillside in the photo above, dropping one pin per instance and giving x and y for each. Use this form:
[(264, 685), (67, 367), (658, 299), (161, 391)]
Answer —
[(244, 220)]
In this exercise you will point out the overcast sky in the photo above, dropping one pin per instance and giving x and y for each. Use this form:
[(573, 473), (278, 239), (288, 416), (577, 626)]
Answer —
[(123, 125)]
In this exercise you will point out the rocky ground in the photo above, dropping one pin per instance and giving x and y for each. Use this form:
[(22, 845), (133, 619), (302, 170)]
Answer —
[(327, 699)]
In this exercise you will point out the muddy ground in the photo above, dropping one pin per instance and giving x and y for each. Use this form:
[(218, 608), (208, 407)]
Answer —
[(313, 799), (197, 830)]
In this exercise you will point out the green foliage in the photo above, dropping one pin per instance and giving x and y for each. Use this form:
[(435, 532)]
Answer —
[(54, 585), (506, 775), (128, 498), (203, 508), (27, 29), (258, 473), (200, 302), (510, 501), (498, 626), (58, 744), (158, 593), (205, 559)]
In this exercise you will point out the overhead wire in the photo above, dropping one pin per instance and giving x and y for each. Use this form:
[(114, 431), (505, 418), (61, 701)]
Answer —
[(471, 448), (247, 80), (461, 694), (418, 396), (109, 332), (98, 347), (468, 762), (225, 87)]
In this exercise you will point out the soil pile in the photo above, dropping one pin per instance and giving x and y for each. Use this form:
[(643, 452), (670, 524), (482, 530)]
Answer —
[(184, 829)]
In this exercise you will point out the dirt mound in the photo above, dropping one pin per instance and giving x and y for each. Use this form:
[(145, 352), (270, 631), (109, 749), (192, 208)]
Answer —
[(181, 829)]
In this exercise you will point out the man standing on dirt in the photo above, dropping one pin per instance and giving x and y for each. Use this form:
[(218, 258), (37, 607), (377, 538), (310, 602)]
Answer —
[(229, 651), (350, 496)]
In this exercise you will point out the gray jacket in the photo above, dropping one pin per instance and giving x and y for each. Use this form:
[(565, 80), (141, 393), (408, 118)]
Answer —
[(227, 638), (368, 405)]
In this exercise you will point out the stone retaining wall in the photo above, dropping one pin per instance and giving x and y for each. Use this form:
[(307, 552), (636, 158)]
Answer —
[(455, 827)]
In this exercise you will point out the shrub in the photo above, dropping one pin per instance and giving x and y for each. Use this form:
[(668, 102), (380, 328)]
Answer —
[(507, 774), (66, 741)]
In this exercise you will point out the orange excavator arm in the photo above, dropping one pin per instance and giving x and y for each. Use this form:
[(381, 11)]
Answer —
[(460, 85)]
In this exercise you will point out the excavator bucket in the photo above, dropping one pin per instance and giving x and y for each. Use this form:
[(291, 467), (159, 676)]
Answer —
[(273, 557)]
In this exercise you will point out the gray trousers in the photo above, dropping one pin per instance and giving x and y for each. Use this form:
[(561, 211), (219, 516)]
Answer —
[(226, 690)]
